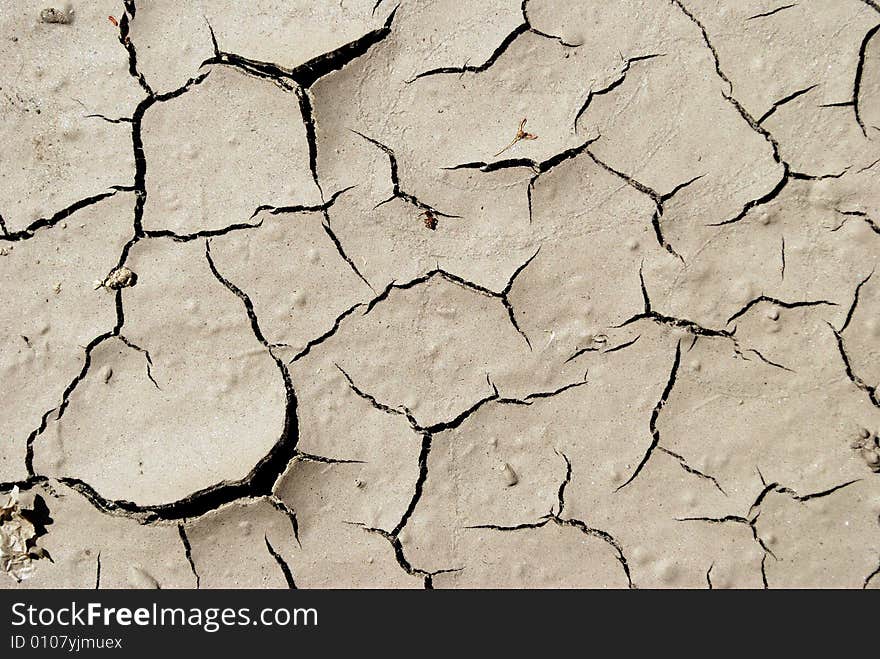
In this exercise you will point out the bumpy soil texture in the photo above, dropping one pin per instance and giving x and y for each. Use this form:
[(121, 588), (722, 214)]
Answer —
[(440, 294)]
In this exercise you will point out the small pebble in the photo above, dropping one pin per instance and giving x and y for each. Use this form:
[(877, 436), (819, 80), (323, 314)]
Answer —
[(140, 578), (120, 278), (510, 476), (52, 15)]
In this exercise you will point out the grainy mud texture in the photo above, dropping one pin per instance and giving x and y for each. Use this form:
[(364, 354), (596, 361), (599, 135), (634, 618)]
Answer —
[(440, 294)]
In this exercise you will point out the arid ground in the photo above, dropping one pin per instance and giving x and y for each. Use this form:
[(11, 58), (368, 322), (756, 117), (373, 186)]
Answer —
[(508, 293)]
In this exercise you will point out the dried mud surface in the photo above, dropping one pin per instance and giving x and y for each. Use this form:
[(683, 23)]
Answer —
[(512, 293)]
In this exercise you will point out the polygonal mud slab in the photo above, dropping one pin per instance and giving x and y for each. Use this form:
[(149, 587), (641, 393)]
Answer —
[(294, 274), (335, 502), (722, 417), (63, 89), (791, 248), (261, 154), (242, 545), (51, 311), (125, 433)]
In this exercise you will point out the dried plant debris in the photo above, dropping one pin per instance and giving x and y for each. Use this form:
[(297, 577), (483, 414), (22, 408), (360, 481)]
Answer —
[(19, 531), (521, 134), (429, 219)]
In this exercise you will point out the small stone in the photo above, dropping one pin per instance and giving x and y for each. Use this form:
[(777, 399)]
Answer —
[(140, 578), (773, 314), (510, 476), (120, 278), (864, 433), (57, 288), (359, 484), (106, 374), (58, 16)]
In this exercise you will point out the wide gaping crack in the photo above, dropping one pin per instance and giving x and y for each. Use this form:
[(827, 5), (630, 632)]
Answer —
[(304, 75)]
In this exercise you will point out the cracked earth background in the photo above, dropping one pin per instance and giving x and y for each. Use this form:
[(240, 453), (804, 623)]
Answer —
[(286, 304)]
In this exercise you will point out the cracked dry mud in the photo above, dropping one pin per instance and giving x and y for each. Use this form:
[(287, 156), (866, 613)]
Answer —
[(274, 315)]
